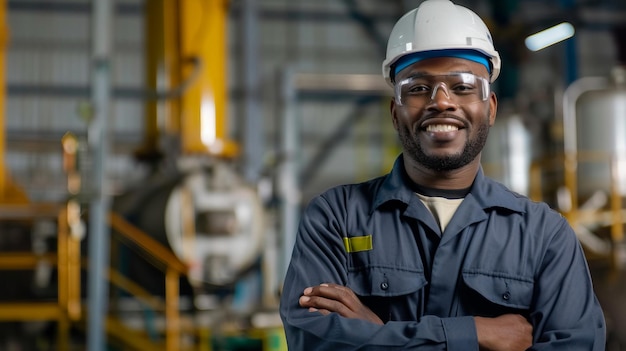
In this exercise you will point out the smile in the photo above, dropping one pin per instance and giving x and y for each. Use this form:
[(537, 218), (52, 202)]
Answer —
[(441, 128)]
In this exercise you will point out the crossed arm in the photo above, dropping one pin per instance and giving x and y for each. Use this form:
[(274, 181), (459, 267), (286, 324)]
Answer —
[(509, 332), (564, 312)]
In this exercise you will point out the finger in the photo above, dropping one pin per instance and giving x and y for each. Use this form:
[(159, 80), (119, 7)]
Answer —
[(318, 303), (339, 293), (332, 291), (342, 288), (323, 286), (333, 297), (303, 301), (322, 303), (349, 308)]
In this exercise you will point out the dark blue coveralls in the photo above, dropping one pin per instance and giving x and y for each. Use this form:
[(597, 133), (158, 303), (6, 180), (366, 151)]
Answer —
[(501, 253)]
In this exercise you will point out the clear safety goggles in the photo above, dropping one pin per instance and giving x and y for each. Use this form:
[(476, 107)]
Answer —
[(460, 88)]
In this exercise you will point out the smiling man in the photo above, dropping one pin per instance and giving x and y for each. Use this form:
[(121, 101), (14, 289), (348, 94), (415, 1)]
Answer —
[(434, 255)]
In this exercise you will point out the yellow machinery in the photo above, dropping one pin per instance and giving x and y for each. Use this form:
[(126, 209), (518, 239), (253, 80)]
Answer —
[(210, 223), (208, 210), (186, 61), (201, 211), (210, 219)]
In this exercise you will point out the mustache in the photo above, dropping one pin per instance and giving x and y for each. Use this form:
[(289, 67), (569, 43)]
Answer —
[(447, 115)]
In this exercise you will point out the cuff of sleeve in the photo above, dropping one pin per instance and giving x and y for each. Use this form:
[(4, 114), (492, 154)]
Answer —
[(460, 333)]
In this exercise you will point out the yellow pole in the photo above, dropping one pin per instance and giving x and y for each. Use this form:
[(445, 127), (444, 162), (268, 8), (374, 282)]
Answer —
[(617, 229), (161, 113), (571, 183), (62, 266), (9, 193), (172, 315), (153, 26), (203, 110), (171, 64)]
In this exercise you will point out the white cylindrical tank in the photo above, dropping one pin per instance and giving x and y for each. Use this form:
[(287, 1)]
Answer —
[(507, 155), (601, 130)]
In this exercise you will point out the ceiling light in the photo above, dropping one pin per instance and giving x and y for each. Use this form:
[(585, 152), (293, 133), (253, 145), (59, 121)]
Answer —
[(549, 36)]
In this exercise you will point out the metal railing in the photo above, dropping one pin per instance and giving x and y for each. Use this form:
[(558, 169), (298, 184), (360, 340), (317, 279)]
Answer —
[(608, 212), (68, 308)]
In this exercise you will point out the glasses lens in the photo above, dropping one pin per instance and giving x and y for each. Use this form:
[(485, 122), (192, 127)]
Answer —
[(460, 88)]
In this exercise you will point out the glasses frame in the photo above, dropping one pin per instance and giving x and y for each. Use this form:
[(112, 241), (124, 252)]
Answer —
[(482, 92)]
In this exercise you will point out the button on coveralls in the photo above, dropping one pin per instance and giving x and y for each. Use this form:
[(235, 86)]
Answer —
[(501, 253)]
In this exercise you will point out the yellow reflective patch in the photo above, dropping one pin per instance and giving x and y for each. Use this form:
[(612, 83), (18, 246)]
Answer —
[(358, 243)]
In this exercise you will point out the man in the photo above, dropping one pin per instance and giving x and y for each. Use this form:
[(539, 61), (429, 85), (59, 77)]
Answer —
[(434, 255)]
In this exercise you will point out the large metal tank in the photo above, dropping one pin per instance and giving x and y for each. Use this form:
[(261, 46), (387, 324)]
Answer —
[(600, 138), (507, 154), (208, 216)]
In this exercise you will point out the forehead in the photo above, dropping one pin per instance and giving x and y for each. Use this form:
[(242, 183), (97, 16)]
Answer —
[(443, 65)]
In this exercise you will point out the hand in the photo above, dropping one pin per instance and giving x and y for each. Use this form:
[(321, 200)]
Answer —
[(327, 298), (510, 332)]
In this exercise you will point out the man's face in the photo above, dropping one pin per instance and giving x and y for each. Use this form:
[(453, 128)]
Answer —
[(443, 134)]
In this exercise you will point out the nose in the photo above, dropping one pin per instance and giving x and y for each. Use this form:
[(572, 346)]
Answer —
[(440, 98), (439, 87)]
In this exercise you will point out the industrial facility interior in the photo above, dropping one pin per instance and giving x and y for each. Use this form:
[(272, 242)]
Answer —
[(156, 154)]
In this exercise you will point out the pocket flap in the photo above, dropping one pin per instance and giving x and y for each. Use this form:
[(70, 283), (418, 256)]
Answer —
[(383, 281), (501, 289)]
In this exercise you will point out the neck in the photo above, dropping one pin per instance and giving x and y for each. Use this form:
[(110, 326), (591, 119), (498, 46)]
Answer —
[(460, 178)]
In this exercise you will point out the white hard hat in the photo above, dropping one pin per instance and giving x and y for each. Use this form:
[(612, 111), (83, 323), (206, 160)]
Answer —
[(439, 25)]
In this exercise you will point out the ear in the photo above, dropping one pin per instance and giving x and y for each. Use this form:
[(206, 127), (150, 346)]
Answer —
[(393, 111), (493, 108)]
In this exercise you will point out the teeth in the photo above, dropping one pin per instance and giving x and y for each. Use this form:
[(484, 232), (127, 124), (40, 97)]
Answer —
[(441, 128)]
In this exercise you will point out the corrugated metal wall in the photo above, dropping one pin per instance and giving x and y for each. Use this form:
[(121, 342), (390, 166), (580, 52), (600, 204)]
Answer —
[(48, 78), (48, 81)]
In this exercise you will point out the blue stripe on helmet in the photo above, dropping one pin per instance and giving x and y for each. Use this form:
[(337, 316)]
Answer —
[(467, 54)]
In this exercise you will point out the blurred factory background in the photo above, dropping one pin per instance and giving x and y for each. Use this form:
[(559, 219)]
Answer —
[(156, 154)]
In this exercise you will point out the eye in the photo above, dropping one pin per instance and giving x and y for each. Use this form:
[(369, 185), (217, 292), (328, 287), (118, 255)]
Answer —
[(464, 89), (416, 89)]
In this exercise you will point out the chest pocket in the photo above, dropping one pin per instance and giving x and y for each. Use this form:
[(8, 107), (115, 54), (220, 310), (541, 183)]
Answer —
[(382, 281), (493, 294), (392, 293)]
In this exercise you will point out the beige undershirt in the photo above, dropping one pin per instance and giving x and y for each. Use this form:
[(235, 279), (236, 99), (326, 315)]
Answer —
[(442, 209)]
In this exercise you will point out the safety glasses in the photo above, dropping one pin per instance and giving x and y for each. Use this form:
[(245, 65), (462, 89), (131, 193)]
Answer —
[(460, 88)]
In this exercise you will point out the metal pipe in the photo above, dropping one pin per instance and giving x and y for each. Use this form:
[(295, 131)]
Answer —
[(73, 7), (3, 45), (253, 119), (571, 95), (98, 139), (330, 142), (570, 143), (288, 174)]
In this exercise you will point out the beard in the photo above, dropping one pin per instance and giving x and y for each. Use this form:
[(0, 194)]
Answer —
[(473, 146)]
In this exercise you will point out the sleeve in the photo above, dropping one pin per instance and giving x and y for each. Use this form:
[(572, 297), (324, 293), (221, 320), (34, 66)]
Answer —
[(566, 314), (319, 257)]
